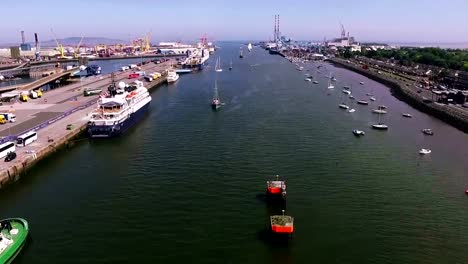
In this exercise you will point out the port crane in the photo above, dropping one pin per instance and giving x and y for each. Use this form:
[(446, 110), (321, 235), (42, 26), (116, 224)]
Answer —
[(343, 31), (76, 51), (59, 46), (38, 48), (146, 47)]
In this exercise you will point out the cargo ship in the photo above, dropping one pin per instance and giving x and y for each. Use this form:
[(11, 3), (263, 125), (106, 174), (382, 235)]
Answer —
[(119, 109)]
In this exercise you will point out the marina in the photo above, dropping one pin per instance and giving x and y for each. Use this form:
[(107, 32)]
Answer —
[(271, 124)]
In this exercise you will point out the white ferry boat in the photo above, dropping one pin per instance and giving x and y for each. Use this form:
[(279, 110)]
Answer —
[(119, 109)]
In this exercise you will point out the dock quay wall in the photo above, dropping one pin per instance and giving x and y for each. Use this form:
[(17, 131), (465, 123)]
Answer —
[(19, 167), (455, 117)]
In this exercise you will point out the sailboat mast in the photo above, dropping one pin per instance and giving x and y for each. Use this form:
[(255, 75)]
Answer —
[(216, 97)]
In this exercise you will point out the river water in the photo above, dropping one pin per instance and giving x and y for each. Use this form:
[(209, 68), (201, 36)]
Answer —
[(187, 184)]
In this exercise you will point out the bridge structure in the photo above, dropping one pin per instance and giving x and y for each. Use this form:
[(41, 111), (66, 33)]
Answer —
[(40, 82)]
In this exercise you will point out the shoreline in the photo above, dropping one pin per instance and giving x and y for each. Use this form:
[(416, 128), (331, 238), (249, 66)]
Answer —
[(454, 117)]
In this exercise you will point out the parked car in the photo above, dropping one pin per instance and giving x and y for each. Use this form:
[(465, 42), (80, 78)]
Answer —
[(133, 75)]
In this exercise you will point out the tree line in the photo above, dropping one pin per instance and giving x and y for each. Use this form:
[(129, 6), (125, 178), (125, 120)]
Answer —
[(455, 59)]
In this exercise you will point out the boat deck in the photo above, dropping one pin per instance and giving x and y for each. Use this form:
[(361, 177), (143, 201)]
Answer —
[(282, 220), (276, 184)]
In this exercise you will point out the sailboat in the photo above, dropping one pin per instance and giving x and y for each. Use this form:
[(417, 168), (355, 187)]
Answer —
[(241, 55), (249, 47), (330, 85), (343, 105), (230, 65), (379, 110), (380, 125), (218, 65), (216, 102)]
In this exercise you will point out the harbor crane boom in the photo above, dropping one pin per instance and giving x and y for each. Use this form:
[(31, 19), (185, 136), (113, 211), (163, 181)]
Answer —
[(59, 46), (75, 54)]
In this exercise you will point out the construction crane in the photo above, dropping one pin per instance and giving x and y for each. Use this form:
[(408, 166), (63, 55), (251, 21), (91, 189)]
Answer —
[(343, 31), (146, 46), (38, 51), (76, 51), (59, 46)]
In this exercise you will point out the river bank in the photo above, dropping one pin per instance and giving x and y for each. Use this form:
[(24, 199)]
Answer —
[(449, 114)]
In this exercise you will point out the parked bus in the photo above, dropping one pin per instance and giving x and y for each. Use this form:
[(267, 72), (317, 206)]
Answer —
[(7, 147), (26, 139)]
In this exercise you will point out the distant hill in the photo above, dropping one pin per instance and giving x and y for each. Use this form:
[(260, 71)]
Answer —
[(71, 41)]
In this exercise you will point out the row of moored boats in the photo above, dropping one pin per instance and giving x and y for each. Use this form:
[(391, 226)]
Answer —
[(347, 95)]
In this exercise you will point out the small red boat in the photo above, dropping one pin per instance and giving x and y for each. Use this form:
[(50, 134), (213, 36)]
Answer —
[(282, 224), (276, 187)]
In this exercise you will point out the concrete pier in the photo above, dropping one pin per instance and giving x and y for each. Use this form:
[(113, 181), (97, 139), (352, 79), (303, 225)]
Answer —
[(50, 115)]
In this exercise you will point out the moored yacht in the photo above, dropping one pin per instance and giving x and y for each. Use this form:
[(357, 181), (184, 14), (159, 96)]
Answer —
[(172, 76), (425, 151), (358, 132), (343, 106), (428, 131)]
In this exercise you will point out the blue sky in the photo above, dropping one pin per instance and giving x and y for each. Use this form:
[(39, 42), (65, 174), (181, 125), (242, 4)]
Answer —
[(367, 20)]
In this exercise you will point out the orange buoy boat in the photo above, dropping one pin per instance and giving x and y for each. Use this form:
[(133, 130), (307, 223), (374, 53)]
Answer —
[(282, 224), (276, 187)]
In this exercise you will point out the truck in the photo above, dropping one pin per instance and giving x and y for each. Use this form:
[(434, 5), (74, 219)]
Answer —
[(24, 96), (33, 94), (152, 76), (39, 93), (8, 117)]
